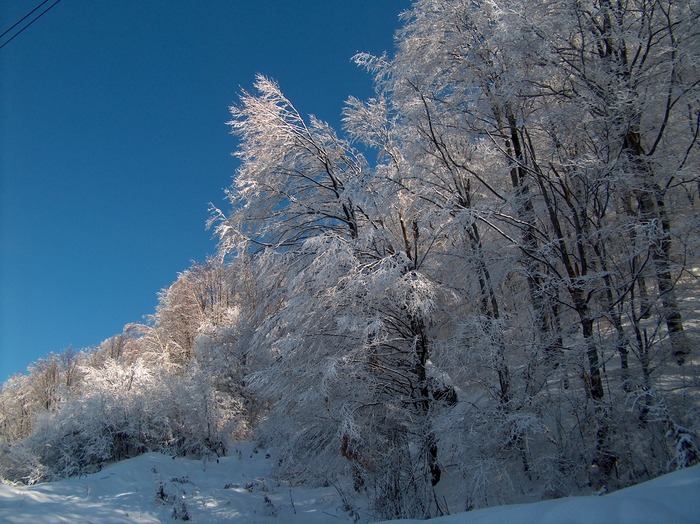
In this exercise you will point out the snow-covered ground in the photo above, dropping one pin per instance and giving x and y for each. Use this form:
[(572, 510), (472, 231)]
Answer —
[(240, 488), (670, 499)]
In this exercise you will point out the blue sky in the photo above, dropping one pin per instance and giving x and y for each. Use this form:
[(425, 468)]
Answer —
[(113, 142)]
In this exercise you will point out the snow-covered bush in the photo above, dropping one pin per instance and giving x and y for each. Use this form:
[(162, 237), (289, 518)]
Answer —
[(123, 411)]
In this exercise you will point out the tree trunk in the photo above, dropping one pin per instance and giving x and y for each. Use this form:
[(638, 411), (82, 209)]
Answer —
[(653, 213), (546, 317)]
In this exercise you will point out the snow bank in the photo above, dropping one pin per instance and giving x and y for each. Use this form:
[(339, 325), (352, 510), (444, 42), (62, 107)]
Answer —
[(670, 499), (240, 488), (158, 488)]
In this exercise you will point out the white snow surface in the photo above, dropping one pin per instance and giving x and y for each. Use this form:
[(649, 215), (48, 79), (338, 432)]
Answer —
[(242, 488)]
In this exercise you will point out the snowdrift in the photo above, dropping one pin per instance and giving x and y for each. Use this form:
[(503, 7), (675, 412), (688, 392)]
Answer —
[(241, 488)]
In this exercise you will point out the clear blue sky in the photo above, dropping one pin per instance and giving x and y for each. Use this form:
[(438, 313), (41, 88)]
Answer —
[(113, 142)]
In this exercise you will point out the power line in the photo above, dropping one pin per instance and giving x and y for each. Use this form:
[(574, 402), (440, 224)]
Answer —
[(23, 18), (29, 23)]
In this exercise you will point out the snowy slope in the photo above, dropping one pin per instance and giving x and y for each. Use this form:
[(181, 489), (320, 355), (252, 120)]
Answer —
[(670, 499), (240, 488)]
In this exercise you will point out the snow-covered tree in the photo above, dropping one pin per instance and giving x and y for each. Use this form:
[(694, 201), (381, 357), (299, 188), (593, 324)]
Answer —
[(349, 303), (486, 275), (562, 130)]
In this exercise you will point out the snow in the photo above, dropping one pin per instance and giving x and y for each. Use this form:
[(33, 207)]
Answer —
[(237, 488), (155, 488), (671, 499)]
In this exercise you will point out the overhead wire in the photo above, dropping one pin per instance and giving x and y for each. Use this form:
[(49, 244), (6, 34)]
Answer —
[(29, 23), (22, 19)]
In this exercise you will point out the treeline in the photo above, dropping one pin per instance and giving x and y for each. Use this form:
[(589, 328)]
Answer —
[(489, 274), (145, 389)]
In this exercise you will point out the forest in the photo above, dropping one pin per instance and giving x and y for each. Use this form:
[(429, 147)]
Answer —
[(481, 290)]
